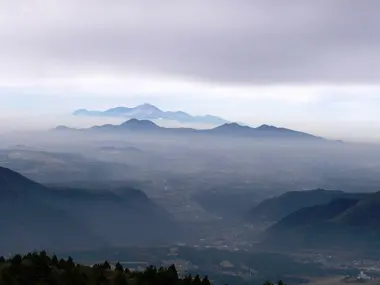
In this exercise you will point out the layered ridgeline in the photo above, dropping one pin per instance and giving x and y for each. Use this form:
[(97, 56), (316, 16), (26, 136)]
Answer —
[(38, 217), (56, 167), (227, 129), (277, 208), (150, 112), (338, 220)]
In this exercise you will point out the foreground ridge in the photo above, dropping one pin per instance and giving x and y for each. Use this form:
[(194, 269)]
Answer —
[(40, 268)]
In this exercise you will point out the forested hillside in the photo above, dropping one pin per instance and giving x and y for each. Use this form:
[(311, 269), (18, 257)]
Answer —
[(41, 269)]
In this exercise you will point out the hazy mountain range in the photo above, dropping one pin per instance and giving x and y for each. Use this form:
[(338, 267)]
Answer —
[(227, 129), (149, 112), (39, 217)]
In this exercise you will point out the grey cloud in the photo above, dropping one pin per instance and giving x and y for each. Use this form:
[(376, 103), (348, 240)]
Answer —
[(234, 42)]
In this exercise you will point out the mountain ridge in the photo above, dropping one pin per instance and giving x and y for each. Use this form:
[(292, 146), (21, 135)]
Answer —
[(42, 217), (278, 207), (347, 221), (227, 129), (148, 111)]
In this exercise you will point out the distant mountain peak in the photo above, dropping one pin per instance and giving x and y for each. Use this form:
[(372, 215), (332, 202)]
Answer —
[(62, 128), (232, 126), (147, 106), (79, 111), (144, 124), (131, 121), (265, 127)]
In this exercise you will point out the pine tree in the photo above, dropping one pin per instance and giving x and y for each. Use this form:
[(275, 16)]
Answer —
[(172, 273), (119, 267), (61, 263), (106, 265), (205, 281), (187, 280), (70, 262), (197, 280), (54, 261), (16, 260)]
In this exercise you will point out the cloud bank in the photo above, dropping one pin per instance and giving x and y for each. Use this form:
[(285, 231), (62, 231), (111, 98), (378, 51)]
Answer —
[(226, 42)]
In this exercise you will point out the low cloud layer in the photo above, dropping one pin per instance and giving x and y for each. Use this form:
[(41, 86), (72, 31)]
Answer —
[(229, 42)]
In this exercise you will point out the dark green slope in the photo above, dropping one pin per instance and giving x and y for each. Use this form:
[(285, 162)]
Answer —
[(123, 217), (350, 222), (276, 208), (365, 214), (36, 217), (28, 223)]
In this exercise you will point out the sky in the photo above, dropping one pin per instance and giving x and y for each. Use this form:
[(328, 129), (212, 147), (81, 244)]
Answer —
[(311, 65)]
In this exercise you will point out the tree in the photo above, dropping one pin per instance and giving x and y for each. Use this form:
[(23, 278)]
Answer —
[(2, 259), (119, 267), (61, 263), (106, 265), (70, 262), (150, 274), (16, 260), (172, 273), (38, 268), (101, 279), (120, 279), (197, 280), (74, 276), (54, 261), (43, 254), (187, 280), (205, 281)]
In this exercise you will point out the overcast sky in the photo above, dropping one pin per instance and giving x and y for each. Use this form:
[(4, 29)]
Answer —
[(313, 65)]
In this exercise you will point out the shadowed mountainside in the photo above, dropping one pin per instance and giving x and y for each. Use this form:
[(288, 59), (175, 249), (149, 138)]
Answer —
[(349, 221), (276, 208), (39, 217)]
